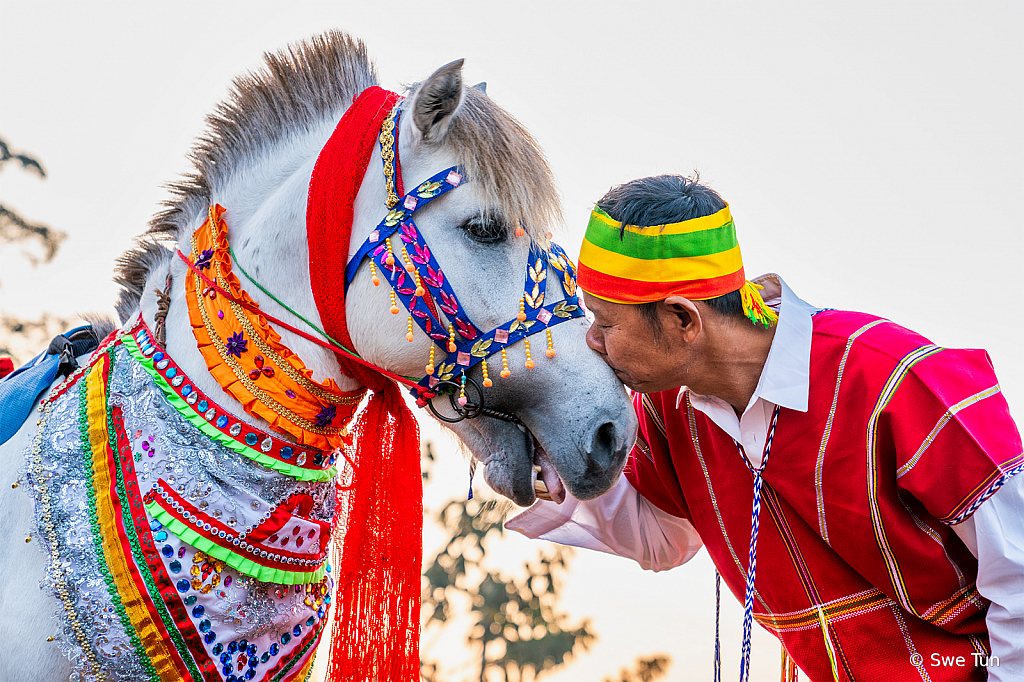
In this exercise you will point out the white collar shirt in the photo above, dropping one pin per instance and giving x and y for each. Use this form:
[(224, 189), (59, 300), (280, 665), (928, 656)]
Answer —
[(785, 378)]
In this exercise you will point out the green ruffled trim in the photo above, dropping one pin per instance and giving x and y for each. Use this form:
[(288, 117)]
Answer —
[(239, 562), (97, 535), (197, 420)]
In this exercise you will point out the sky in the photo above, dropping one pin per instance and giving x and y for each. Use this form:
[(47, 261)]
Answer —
[(872, 154)]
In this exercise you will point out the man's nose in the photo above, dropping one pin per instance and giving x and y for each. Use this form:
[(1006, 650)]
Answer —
[(595, 339)]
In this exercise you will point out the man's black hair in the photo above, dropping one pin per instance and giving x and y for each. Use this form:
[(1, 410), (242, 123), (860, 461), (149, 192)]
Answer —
[(661, 200)]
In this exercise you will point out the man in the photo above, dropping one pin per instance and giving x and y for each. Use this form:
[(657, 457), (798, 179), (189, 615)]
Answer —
[(869, 473)]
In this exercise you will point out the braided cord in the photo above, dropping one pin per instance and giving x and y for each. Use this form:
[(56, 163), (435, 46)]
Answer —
[(748, 599), (718, 609)]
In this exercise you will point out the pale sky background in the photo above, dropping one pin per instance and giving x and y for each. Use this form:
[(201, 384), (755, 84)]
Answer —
[(872, 154)]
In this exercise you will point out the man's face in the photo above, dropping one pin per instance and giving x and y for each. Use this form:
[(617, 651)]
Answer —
[(641, 358)]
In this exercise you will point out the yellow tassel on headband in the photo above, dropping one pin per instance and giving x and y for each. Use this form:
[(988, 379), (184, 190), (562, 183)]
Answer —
[(697, 259)]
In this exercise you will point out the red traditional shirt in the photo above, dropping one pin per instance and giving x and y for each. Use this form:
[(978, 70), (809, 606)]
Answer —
[(900, 440)]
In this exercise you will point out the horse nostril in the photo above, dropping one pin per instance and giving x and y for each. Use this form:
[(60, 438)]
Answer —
[(603, 453)]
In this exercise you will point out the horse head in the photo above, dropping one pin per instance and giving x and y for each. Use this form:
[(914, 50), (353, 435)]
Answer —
[(567, 415)]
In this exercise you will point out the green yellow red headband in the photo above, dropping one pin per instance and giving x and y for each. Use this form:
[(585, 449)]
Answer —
[(697, 259)]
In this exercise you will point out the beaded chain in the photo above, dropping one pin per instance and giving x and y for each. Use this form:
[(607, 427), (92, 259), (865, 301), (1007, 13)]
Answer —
[(60, 583)]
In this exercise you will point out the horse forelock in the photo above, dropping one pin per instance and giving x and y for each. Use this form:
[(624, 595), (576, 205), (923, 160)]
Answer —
[(502, 158), (296, 90)]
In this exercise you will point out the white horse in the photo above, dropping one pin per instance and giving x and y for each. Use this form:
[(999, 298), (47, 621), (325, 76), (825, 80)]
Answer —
[(572, 418)]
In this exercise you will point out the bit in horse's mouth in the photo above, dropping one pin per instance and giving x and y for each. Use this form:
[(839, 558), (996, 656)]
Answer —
[(546, 482)]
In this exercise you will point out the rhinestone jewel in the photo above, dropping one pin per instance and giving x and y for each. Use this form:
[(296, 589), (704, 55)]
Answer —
[(266, 444), (501, 335), (222, 421), (544, 315), (162, 365), (301, 459), (251, 439), (176, 381), (192, 398), (287, 452), (235, 429), (210, 413)]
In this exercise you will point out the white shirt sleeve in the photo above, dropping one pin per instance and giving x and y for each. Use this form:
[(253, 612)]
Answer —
[(995, 535), (620, 522)]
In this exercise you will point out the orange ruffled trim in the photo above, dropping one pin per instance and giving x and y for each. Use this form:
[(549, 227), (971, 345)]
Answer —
[(267, 378)]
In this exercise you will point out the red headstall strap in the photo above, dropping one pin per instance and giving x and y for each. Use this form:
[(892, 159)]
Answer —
[(377, 604)]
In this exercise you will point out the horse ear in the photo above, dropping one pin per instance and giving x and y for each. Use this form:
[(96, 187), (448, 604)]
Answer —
[(481, 86), (436, 100)]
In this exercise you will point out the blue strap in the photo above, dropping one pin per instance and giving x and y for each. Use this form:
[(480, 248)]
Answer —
[(20, 390), (433, 187)]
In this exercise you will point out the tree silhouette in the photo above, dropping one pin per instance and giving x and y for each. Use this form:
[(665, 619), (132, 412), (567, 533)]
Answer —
[(14, 229), (518, 631)]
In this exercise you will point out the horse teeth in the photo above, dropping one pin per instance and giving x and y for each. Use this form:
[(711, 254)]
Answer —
[(540, 486), (536, 467)]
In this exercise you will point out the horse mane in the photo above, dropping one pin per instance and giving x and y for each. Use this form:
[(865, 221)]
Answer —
[(295, 91)]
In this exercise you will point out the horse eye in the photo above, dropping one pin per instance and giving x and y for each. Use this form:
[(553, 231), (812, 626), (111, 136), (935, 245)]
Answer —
[(486, 229)]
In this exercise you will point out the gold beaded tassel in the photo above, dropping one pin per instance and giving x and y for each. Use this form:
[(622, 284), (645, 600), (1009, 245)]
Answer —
[(390, 258), (373, 274), (408, 264), (462, 392), (430, 363), (551, 345), (451, 339), (408, 334), (487, 380), (521, 316), (505, 372), (529, 358), (394, 303)]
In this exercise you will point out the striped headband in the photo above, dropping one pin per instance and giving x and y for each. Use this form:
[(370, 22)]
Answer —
[(697, 259)]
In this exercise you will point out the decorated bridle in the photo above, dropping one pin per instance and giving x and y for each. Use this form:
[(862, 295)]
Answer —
[(417, 281)]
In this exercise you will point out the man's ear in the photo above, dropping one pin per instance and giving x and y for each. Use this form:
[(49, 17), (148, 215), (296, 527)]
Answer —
[(681, 315)]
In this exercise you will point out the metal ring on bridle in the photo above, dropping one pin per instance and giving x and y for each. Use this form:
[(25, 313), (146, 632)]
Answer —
[(471, 410)]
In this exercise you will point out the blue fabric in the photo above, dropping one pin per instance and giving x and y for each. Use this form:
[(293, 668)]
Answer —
[(20, 390)]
